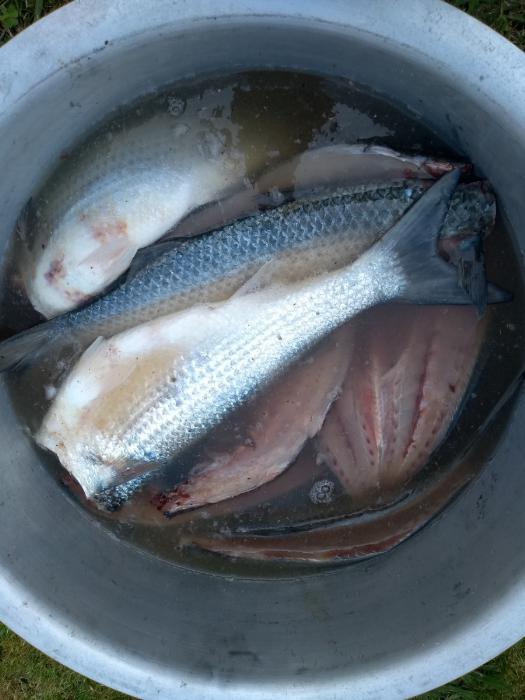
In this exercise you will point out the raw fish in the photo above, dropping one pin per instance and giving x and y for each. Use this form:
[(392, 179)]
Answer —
[(406, 381), (128, 187), (136, 402), (211, 268)]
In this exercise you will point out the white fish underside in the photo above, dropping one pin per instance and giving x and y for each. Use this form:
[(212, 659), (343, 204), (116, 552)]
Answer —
[(124, 190)]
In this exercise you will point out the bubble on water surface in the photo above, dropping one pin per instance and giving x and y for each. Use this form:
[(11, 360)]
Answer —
[(322, 492)]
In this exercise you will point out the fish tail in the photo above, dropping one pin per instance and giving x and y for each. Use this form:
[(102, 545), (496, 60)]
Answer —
[(412, 244), (24, 346)]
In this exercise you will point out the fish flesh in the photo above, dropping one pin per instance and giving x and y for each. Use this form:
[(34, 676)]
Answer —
[(341, 538), (273, 433), (146, 505), (137, 401), (404, 386), (354, 163), (337, 540), (127, 187), (210, 268)]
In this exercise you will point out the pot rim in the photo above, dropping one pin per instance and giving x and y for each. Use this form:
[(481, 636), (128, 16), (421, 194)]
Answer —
[(440, 35)]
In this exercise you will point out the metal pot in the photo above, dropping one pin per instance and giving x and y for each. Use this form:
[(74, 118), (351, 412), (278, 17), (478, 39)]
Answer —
[(437, 606)]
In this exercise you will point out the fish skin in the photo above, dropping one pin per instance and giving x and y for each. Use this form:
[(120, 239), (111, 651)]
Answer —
[(210, 268), (136, 401)]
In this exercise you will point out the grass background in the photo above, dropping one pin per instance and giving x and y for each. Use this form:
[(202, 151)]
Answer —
[(27, 674)]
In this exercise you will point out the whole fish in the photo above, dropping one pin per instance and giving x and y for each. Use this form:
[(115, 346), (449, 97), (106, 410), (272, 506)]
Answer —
[(126, 188), (313, 236), (136, 402)]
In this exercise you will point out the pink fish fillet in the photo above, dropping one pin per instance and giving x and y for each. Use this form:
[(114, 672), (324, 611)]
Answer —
[(278, 424), (410, 368), (352, 538)]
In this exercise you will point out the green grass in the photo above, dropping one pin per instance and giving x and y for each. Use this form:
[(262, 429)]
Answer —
[(16, 15), (505, 16), (500, 679), (26, 674)]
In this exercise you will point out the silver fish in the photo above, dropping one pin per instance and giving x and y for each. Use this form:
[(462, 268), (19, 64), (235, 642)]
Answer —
[(211, 268), (134, 403), (126, 188)]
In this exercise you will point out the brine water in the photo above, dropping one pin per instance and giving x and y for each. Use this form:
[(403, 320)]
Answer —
[(322, 509)]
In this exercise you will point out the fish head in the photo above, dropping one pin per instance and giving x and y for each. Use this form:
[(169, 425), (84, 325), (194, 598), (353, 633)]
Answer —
[(90, 425)]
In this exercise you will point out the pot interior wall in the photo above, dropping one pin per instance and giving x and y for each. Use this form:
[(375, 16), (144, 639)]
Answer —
[(144, 625)]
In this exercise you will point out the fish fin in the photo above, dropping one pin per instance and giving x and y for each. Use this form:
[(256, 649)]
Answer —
[(23, 227), (412, 244), (467, 257), (208, 217), (24, 221), (270, 273), (146, 256), (91, 350), (472, 277), (17, 350), (349, 163)]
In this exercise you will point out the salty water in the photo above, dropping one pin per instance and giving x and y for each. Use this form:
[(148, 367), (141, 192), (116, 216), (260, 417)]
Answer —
[(268, 117)]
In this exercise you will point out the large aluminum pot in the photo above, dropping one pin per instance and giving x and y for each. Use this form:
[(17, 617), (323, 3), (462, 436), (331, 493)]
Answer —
[(437, 606)]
